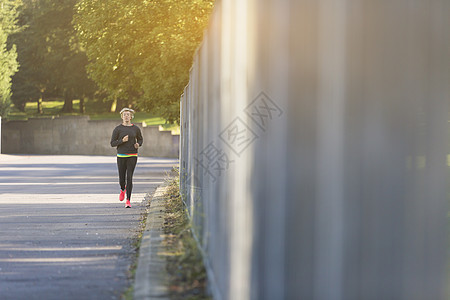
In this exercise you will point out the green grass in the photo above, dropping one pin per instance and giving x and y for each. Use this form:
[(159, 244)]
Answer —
[(49, 108), (53, 108), (187, 274)]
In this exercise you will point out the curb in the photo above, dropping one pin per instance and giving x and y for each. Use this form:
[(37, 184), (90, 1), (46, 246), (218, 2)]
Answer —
[(151, 274)]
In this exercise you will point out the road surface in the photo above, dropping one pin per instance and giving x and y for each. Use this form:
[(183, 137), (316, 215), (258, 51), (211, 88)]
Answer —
[(63, 232)]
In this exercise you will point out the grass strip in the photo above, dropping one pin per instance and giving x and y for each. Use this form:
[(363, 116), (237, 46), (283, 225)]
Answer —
[(187, 274)]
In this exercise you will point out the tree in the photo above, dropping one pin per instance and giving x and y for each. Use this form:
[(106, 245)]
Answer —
[(141, 51), (52, 61), (8, 55)]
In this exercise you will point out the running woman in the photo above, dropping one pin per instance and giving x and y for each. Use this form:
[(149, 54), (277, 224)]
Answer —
[(127, 138)]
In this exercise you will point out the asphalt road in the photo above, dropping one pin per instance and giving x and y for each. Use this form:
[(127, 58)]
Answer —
[(63, 232)]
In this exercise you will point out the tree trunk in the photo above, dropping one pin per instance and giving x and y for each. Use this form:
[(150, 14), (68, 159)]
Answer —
[(68, 103), (20, 106), (39, 105), (113, 106), (82, 105), (121, 103)]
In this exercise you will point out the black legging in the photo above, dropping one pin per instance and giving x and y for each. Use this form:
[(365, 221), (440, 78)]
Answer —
[(126, 167)]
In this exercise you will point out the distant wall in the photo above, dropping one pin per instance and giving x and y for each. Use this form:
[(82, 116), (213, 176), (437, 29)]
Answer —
[(79, 136)]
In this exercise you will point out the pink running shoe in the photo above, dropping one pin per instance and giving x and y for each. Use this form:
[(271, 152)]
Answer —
[(122, 195), (128, 204)]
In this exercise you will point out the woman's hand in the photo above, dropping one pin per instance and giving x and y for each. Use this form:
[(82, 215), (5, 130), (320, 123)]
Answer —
[(125, 139), (136, 146)]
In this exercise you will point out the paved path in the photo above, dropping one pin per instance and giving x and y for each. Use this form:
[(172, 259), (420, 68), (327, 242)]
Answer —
[(63, 232)]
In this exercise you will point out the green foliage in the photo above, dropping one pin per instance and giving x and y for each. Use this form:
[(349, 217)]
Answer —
[(52, 63), (8, 54), (140, 51)]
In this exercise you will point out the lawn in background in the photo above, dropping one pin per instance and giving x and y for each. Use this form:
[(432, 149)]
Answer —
[(53, 108)]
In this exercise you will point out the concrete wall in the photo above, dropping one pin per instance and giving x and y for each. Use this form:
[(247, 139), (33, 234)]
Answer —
[(313, 149), (79, 136)]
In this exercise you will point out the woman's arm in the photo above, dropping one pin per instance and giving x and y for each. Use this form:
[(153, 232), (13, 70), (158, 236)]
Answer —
[(115, 140), (139, 138)]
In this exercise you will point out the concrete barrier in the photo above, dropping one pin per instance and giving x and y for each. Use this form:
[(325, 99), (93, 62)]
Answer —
[(78, 135), (313, 149)]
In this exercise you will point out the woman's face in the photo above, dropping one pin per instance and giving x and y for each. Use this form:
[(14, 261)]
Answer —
[(126, 116)]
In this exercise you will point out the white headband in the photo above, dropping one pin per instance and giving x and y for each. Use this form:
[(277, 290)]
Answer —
[(127, 109)]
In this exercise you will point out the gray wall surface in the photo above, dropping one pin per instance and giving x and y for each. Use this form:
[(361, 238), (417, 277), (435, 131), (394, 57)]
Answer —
[(79, 136), (314, 149)]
